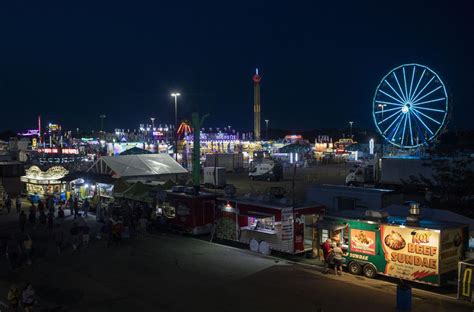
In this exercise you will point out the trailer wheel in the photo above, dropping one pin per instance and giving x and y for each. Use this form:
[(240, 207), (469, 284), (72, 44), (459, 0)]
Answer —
[(254, 245), (369, 271), (354, 268)]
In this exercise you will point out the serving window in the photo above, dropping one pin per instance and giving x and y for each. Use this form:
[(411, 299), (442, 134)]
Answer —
[(261, 223)]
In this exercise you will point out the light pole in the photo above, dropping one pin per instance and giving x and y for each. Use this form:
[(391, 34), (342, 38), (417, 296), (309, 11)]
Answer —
[(382, 106), (175, 95), (102, 117), (266, 128), (350, 123), (152, 123)]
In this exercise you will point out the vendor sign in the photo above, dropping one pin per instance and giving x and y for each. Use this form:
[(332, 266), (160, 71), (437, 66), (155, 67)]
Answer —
[(411, 254)]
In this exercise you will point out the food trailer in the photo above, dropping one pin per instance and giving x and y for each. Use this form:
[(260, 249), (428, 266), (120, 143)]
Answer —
[(185, 210), (408, 248), (268, 223)]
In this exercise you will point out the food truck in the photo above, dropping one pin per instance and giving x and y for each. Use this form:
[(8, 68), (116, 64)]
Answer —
[(408, 248), (268, 223), (185, 210)]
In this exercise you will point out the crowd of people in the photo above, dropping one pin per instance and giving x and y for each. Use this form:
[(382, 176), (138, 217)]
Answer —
[(43, 223)]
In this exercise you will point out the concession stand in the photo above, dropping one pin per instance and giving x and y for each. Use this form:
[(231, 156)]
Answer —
[(268, 223), (44, 183), (408, 248)]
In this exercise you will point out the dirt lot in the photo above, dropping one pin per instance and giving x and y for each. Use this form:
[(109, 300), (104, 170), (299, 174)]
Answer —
[(320, 174)]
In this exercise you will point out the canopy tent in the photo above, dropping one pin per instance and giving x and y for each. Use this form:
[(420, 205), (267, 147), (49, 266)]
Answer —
[(120, 186), (135, 151), (295, 148), (137, 192), (129, 166)]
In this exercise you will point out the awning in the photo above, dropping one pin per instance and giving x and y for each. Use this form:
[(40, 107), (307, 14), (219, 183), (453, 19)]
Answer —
[(329, 226), (256, 214)]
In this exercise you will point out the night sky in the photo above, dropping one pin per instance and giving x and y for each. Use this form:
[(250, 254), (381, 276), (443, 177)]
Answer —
[(320, 61)]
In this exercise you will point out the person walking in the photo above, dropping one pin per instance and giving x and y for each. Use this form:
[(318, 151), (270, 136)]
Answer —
[(13, 298), (8, 204), (338, 257), (13, 251), (50, 221), (22, 221), (326, 247), (18, 204), (76, 208), (28, 298), (32, 217), (28, 247), (61, 215), (85, 207), (74, 231)]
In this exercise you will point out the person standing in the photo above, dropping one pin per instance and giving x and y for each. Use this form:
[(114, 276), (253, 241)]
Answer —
[(28, 246), (28, 298), (50, 220), (71, 204), (8, 204), (13, 298), (338, 257), (85, 236), (76, 208), (85, 207), (22, 221), (18, 203), (74, 231), (326, 247), (32, 217)]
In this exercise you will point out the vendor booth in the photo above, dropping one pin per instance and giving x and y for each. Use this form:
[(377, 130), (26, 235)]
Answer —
[(272, 224), (44, 183)]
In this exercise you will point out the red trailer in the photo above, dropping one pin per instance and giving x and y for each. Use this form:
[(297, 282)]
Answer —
[(183, 210), (266, 225)]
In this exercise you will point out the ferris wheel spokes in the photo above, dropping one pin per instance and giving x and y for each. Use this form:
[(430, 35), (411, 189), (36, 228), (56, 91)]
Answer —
[(426, 85), (433, 120), (430, 101), (431, 109), (418, 84), (401, 102), (387, 110), (399, 96), (411, 83), (422, 122), (401, 91), (389, 103), (416, 100), (399, 112)]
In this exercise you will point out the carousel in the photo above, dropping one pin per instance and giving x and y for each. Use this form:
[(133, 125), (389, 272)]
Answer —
[(44, 183)]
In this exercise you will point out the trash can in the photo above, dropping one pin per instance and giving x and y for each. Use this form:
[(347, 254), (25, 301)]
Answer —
[(403, 297)]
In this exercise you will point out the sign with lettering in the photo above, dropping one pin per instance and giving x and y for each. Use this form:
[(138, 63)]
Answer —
[(411, 254)]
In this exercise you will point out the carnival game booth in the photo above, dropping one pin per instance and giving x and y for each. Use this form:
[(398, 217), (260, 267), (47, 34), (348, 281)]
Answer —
[(268, 223), (43, 183), (185, 210), (410, 248)]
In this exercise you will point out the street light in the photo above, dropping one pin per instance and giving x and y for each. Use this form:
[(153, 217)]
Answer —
[(175, 95), (351, 122), (266, 126), (382, 106), (102, 117), (152, 123)]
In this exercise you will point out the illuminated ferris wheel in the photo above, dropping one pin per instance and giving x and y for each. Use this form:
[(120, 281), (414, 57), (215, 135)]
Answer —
[(410, 106)]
